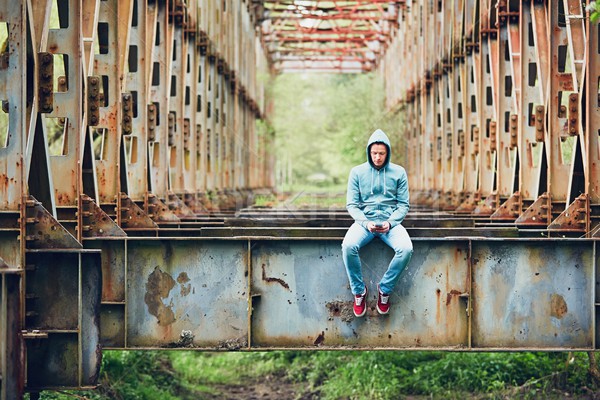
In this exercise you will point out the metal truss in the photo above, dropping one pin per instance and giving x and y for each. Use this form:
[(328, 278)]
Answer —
[(129, 139), (340, 36), (500, 109), (117, 116)]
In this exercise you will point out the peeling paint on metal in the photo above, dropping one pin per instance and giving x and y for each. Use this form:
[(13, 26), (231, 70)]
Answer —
[(558, 306), (183, 280), (158, 286)]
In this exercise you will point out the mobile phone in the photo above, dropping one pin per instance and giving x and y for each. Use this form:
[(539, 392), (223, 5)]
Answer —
[(378, 225)]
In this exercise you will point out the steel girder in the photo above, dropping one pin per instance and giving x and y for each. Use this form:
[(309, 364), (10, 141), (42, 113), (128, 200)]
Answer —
[(258, 293)]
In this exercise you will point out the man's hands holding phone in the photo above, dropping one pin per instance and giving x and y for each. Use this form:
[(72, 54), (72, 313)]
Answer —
[(378, 227)]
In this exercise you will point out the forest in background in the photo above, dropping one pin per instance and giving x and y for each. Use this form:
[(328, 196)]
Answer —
[(322, 123)]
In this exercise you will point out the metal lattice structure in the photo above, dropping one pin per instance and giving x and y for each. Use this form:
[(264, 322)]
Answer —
[(502, 110), (135, 133), (339, 36)]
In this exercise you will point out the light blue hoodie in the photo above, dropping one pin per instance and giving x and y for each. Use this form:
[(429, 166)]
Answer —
[(378, 195)]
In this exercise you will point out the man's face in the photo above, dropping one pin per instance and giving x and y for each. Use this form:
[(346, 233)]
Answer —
[(378, 154)]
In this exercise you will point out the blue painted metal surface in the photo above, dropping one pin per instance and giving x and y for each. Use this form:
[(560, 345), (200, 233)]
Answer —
[(257, 293)]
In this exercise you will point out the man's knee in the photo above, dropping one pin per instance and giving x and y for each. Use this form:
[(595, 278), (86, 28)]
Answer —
[(350, 248), (406, 249)]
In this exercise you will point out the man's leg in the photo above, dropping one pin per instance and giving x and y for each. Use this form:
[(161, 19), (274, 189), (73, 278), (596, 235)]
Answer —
[(355, 238), (397, 238)]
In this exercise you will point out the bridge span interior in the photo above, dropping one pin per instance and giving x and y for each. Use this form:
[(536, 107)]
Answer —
[(134, 135)]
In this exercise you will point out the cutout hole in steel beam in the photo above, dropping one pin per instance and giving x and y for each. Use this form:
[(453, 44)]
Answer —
[(134, 101), (156, 74), (536, 153), (104, 92), (530, 38), (531, 119), (132, 63), (532, 74), (598, 88), (103, 35), (562, 17), (157, 37), (99, 139), (131, 149), (562, 58), (61, 62), (173, 85), (59, 17), (134, 17), (567, 144), (56, 128), (4, 120), (157, 108), (3, 37), (507, 86)]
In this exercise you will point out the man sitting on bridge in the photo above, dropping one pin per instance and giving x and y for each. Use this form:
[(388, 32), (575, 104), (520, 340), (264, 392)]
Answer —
[(377, 199)]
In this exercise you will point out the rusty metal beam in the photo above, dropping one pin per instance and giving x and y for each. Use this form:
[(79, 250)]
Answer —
[(456, 294)]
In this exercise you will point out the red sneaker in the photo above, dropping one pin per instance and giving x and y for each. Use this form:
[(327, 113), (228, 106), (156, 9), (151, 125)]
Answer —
[(383, 302), (360, 304)]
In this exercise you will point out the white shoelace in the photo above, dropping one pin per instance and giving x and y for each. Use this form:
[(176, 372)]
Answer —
[(384, 299), (359, 299)]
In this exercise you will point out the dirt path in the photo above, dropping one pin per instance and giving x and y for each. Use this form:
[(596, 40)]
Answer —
[(269, 388)]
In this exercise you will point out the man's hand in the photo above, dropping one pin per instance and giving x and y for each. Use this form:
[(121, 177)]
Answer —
[(383, 227)]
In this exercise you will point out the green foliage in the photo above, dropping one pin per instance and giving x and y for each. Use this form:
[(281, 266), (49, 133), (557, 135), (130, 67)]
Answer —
[(341, 375), (322, 122), (592, 7)]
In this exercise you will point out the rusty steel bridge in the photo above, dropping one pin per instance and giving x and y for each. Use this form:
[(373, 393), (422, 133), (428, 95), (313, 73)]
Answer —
[(130, 153)]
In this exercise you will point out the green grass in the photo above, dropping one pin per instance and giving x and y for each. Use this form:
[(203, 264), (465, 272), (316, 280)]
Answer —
[(343, 374)]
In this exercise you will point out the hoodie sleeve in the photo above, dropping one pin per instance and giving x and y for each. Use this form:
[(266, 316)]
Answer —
[(353, 200), (403, 205)]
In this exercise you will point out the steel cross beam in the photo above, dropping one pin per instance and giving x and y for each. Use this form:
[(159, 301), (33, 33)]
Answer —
[(258, 293), (367, 25)]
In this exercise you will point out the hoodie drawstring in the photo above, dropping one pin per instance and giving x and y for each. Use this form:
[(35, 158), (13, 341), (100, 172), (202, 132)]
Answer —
[(378, 181)]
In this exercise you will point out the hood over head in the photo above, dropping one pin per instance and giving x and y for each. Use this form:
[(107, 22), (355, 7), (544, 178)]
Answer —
[(379, 136)]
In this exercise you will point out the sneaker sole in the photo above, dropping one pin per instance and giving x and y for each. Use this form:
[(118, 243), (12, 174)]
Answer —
[(360, 315), (381, 312)]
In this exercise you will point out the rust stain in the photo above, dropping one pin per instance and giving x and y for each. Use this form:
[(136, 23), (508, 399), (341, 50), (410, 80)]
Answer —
[(320, 338), (558, 306), (271, 279), (438, 293), (158, 286), (341, 309), (453, 292), (182, 279)]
